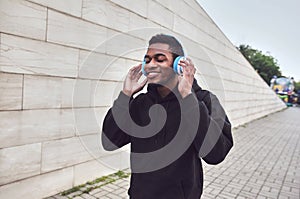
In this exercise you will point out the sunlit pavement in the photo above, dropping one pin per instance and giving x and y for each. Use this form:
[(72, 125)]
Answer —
[(264, 163)]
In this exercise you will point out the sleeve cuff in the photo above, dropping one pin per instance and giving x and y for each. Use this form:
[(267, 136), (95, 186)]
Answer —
[(122, 100), (189, 103)]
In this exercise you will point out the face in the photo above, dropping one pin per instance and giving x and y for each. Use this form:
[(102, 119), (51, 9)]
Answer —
[(159, 61)]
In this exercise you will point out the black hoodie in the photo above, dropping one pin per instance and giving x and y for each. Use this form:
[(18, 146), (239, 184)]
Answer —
[(166, 160)]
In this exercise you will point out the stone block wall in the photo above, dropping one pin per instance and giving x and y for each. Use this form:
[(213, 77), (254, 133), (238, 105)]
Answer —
[(62, 64)]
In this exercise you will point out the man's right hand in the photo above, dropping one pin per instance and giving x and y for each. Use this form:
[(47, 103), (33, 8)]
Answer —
[(131, 84)]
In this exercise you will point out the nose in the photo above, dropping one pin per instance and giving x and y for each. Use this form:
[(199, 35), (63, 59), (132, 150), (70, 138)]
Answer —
[(146, 67), (151, 64)]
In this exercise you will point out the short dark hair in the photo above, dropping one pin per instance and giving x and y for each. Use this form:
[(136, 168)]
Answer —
[(174, 45)]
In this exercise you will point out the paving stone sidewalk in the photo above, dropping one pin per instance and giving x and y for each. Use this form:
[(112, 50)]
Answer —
[(264, 163)]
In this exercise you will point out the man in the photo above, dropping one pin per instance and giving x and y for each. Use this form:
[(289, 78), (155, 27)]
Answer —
[(170, 127)]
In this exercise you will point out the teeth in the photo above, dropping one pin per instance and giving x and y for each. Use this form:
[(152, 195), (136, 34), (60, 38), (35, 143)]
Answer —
[(151, 73)]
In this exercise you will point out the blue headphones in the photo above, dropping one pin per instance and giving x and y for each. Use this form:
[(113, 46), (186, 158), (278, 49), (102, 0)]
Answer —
[(176, 67)]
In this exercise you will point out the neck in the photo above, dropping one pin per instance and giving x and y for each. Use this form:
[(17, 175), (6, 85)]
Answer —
[(165, 89)]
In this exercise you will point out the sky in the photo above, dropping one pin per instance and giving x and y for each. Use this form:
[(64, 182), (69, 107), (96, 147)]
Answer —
[(271, 26)]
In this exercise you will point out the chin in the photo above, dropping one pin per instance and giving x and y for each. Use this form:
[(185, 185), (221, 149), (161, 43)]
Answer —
[(152, 81)]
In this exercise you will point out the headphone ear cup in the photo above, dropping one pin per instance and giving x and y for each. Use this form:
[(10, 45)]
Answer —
[(143, 68), (176, 67)]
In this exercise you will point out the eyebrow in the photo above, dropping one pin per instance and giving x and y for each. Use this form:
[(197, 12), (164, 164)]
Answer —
[(156, 55)]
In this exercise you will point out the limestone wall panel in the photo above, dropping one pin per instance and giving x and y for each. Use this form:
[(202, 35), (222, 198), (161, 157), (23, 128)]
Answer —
[(160, 14), (72, 7), (32, 126), (23, 18), (136, 6), (27, 56), (11, 86), (19, 162), (74, 32), (39, 186), (62, 153), (102, 11)]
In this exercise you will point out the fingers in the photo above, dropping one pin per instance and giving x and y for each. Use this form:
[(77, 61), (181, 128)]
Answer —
[(144, 82), (179, 78), (188, 65), (138, 76), (188, 69), (140, 86), (134, 71), (191, 64)]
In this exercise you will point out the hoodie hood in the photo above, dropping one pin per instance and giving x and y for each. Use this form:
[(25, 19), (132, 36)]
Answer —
[(196, 88), (152, 90), (153, 93)]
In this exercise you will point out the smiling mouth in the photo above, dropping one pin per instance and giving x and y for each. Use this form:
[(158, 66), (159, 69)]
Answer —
[(152, 74)]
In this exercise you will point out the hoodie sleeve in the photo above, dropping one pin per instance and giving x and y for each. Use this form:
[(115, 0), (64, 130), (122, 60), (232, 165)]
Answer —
[(213, 139), (112, 136), (218, 139)]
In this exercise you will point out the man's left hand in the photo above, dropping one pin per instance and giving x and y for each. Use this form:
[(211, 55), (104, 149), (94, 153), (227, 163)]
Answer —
[(187, 78)]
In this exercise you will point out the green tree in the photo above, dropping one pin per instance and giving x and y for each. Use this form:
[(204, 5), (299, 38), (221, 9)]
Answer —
[(265, 65), (297, 86)]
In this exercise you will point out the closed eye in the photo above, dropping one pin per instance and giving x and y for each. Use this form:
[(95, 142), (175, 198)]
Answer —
[(157, 57), (147, 59), (160, 58)]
